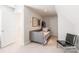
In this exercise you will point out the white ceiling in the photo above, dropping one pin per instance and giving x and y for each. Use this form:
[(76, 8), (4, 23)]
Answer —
[(44, 10)]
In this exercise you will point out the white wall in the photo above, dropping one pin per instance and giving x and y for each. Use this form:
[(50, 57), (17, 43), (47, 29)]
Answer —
[(0, 22), (28, 14), (68, 20), (52, 24), (20, 24)]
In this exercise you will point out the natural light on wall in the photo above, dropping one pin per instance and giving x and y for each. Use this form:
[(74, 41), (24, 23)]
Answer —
[(0, 21)]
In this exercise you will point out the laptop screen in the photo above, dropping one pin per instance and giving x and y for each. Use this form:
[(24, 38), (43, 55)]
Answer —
[(70, 38)]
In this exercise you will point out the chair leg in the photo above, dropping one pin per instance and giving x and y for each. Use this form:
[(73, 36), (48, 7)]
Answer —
[(57, 45), (72, 50)]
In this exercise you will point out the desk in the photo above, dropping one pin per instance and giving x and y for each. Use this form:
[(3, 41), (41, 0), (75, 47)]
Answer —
[(39, 36)]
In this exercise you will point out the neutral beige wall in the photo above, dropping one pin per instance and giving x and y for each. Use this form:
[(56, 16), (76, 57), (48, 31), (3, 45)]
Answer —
[(28, 14), (20, 25), (52, 24), (19, 34)]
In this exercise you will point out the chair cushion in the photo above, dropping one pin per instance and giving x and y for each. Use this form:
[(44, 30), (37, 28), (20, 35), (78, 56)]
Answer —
[(64, 43)]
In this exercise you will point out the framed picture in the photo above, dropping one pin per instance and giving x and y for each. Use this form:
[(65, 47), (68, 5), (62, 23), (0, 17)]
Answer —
[(35, 22)]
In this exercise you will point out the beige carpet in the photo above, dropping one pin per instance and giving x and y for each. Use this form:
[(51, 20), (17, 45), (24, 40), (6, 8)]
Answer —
[(51, 47)]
